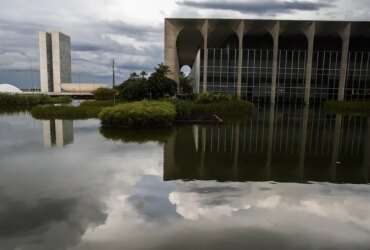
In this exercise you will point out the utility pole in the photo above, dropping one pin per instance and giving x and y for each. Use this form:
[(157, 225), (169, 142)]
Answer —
[(114, 75), (113, 81)]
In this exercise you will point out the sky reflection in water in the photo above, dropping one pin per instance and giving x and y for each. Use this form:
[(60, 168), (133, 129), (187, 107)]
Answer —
[(63, 185)]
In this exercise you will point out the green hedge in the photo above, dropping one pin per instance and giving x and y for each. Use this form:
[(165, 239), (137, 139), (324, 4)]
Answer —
[(64, 112), (348, 106), (104, 94), (139, 114), (30, 100), (224, 109)]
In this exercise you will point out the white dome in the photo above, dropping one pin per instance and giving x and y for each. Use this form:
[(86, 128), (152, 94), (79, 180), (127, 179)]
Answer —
[(7, 88)]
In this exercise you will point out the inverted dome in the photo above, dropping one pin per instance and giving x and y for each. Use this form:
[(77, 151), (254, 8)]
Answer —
[(8, 88)]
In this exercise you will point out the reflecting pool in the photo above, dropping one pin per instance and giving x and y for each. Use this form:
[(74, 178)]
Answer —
[(285, 178)]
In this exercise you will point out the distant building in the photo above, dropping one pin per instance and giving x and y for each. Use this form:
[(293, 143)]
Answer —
[(272, 60), (8, 88), (55, 65)]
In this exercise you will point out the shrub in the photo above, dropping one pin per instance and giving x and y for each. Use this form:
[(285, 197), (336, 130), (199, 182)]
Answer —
[(206, 98), (100, 104), (133, 89), (348, 106), (184, 109), (64, 112), (104, 94), (158, 85), (139, 114), (224, 108), (30, 100)]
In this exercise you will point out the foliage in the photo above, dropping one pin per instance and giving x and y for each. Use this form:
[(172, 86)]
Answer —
[(206, 98), (138, 135), (139, 114), (104, 94), (348, 106), (185, 84), (86, 110), (157, 86), (30, 100), (64, 112), (233, 107), (101, 104), (133, 89), (225, 108), (184, 109)]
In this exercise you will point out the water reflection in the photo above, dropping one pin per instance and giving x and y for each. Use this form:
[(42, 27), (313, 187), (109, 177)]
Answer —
[(283, 144), (57, 133), (107, 192)]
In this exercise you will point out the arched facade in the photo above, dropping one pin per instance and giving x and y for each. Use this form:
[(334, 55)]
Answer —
[(271, 60)]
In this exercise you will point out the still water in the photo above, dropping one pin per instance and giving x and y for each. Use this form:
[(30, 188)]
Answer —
[(283, 179)]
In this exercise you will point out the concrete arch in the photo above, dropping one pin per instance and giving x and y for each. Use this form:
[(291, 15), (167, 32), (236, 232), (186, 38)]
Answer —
[(188, 42)]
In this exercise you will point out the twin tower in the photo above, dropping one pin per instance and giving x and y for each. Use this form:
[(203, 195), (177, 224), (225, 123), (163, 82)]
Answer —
[(55, 61)]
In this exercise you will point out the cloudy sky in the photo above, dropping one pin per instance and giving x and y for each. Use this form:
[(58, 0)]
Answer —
[(131, 32)]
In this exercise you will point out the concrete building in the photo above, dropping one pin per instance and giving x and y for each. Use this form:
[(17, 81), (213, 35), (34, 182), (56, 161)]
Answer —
[(272, 60), (55, 65)]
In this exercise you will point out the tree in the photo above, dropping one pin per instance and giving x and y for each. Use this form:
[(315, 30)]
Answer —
[(159, 84), (185, 84)]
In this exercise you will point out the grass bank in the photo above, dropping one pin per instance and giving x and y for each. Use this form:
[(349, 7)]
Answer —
[(139, 114), (224, 109), (30, 100), (348, 106), (86, 110)]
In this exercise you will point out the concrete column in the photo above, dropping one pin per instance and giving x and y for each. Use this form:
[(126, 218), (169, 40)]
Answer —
[(170, 52), (275, 35), (310, 34), (205, 59), (345, 35), (240, 59)]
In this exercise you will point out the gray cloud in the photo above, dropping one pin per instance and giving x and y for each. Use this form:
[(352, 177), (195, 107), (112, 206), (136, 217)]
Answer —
[(258, 7)]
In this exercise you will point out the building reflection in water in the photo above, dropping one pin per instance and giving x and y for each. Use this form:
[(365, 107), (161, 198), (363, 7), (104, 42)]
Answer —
[(282, 144), (57, 133)]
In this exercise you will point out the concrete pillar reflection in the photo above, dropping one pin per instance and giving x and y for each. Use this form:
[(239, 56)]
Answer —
[(270, 140), (170, 52), (236, 151), (336, 142), (275, 35), (240, 58), (366, 159), (205, 59), (345, 35), (310, 34), (302, 154)]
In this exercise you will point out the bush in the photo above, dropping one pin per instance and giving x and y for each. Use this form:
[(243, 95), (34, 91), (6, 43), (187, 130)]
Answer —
[(64, 112), (139, 114), (30, 100), (104, 94), (184, 109), (133, 89), (99, 104), (158, 85), (206, 98), (348, 106), (224, 108)]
